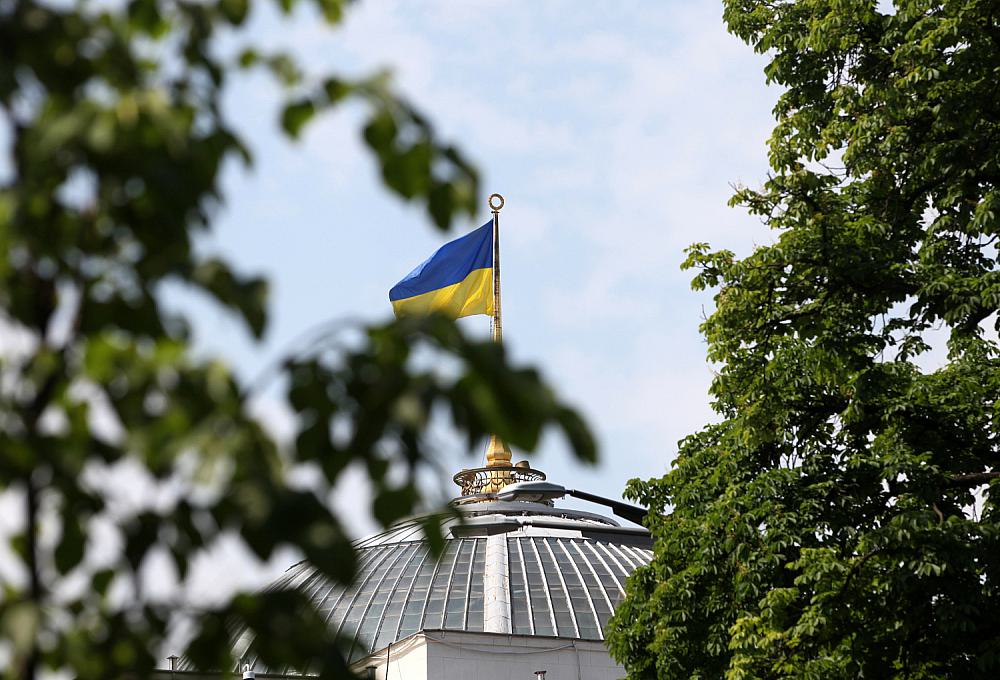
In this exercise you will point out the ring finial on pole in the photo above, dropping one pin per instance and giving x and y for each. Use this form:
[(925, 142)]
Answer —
[(495, 207)]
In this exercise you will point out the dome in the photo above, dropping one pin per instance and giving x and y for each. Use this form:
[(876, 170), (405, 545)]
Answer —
[(521, 567)]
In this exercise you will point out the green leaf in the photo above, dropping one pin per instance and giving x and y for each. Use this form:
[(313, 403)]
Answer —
[(332, 10), (235, 11), (70, 549), (295, 116), (392, 504), (248, 57), (579, 435), (336, 89), (380, 133)]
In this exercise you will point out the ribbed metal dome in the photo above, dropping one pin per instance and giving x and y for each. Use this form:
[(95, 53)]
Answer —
[(565, 573)]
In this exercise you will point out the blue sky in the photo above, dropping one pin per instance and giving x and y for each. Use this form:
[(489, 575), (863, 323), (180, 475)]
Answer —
[(614, 132)]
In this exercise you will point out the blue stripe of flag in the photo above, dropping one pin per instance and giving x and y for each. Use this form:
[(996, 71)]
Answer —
[(449, 265)]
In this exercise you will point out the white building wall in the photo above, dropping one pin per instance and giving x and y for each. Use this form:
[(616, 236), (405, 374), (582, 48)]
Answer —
[(496, 586), (455, 655)]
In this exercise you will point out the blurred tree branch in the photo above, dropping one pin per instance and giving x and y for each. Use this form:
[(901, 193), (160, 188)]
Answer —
[(117, 144)]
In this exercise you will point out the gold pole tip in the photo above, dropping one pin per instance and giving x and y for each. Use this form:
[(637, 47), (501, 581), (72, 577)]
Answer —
[(497, 452), (496, 202)]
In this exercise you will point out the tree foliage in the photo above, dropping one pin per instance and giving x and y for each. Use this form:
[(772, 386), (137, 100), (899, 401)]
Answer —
[(117, 138), (834, 523)]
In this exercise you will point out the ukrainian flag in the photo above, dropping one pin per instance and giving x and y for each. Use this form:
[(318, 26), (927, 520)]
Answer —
[(456, 280)]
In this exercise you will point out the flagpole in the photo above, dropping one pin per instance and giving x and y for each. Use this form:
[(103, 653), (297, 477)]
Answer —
[(496, 203), (497, 453)]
